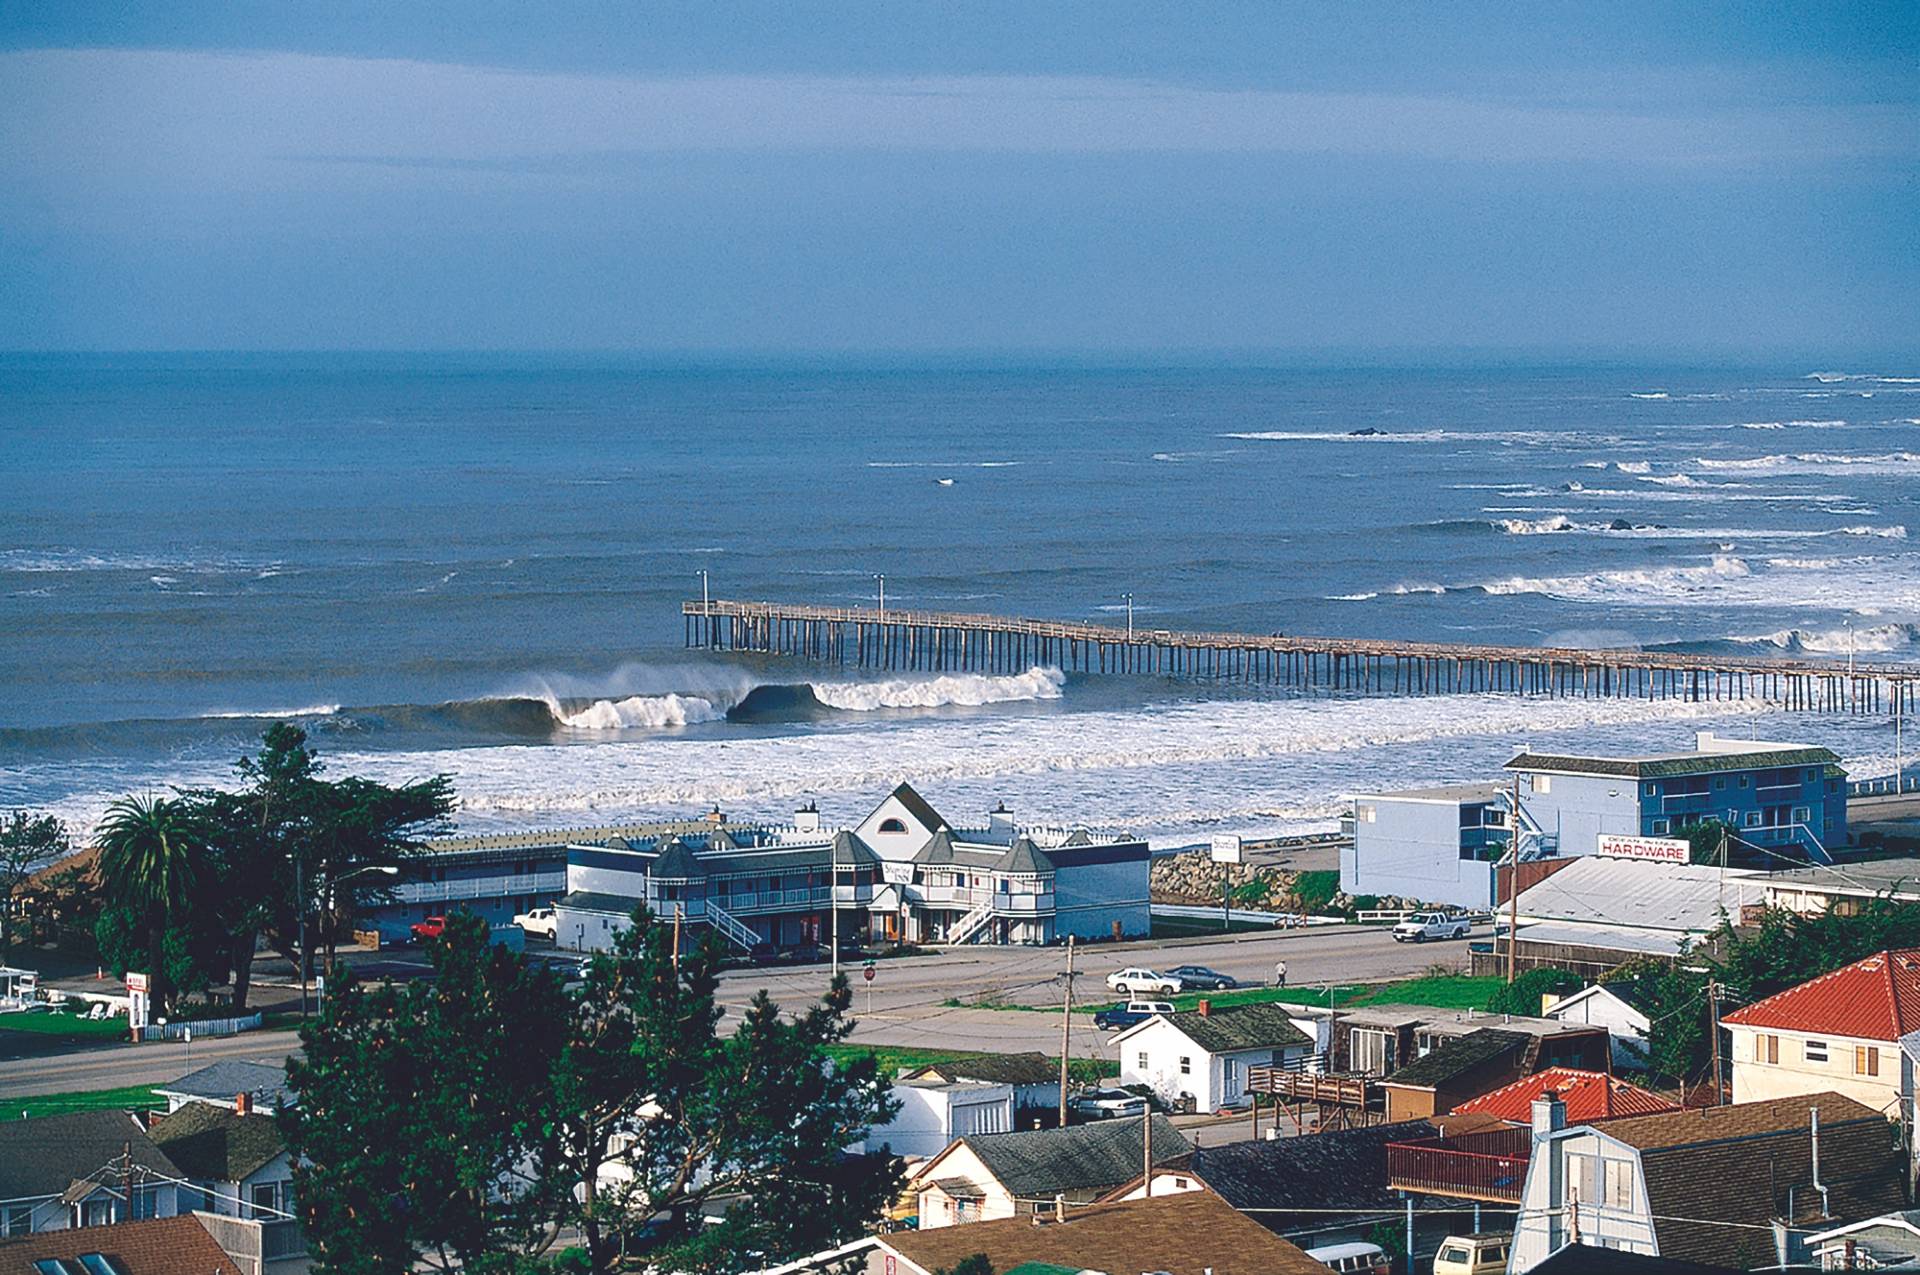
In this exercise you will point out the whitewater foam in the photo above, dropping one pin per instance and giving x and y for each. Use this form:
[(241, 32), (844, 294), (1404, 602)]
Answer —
[(645, 712), (967, 690)]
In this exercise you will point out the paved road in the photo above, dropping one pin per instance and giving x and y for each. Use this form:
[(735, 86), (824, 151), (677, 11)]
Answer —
[(905, 1005)]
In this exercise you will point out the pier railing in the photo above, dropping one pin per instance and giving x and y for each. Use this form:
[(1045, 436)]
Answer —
[(941, 641)]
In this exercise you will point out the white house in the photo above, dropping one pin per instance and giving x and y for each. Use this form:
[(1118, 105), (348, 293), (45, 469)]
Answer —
[(1639, 1182), (1839, 1032), (1617, 1007), (1203, 1054), (1035, 1079), (1001, 1175), (934, 1111), (73, 1170), (235, 1159)]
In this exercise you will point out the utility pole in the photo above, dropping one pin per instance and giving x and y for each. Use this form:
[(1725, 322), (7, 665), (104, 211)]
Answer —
[(1129, 598), (1899, 751), (1513, 885), (1146, 1176), (833, 905), (1066, 1031), (677, 913), (1713, 1018), (881, 579)]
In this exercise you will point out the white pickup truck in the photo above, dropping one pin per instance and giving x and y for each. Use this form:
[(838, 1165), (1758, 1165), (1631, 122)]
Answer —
[(1422, 926), (540, 921)]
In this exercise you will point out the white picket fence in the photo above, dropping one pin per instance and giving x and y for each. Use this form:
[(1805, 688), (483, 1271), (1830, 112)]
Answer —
[(202, 1029)]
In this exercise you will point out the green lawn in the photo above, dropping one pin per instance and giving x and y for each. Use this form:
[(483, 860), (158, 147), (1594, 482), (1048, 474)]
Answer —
[(57, 1024), (893, 1057), (130, 1098), (1442, 991)]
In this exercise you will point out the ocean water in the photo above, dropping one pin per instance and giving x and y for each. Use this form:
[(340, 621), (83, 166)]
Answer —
[(475, 565)]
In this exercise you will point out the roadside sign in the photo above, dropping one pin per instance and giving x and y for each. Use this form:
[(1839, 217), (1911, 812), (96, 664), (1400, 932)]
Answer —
[(1226, 848), (136, 981), (1655, 849), (866, 971)]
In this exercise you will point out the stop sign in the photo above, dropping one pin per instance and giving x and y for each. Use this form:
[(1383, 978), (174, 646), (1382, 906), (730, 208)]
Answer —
[(866, 971)]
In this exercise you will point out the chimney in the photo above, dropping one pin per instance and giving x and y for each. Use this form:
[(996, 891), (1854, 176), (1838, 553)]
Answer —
[(715, 817), (807, 818), (1549, 1115), (1000, 819), (242, 1104), (1206, 1008)]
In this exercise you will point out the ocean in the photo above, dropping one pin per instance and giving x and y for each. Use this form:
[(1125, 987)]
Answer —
[(474, 565)]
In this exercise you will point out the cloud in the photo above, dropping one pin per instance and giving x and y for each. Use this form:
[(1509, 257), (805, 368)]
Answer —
[(187, 117)]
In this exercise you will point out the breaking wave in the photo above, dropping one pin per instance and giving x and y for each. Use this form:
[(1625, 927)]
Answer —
[(645, 712), (1876, 639), (958, 689), (1781, 462)]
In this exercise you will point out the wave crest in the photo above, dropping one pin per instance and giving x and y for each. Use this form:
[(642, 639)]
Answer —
[(968, 690)]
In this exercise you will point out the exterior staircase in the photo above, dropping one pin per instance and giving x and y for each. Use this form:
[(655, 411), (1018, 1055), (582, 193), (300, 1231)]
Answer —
[(969, 925), (731, 926)]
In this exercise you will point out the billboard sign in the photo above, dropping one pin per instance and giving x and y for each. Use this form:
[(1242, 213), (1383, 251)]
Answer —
[(1226, 849), (1656, 849)]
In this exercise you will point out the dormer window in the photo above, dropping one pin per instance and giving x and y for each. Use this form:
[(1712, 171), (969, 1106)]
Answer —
[(893, 825)]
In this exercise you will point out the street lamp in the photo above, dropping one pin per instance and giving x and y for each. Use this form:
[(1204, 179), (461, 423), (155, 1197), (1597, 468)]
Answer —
[(1849, 647), (881, 579), (1129, 598), (300, 884)]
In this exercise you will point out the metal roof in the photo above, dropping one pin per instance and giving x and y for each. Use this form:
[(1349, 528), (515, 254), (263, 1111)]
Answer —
[(1877, 998), (594, 901), (1663, 765), (1684, 897), (1874, 876), (1585, 1093), (1609, 938), (1464, 794)]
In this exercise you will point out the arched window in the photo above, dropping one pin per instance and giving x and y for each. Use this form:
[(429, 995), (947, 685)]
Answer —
[(892, 825)]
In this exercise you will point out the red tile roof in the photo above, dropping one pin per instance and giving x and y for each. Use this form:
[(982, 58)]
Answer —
[(1877, 998), (166, 1246), (1584, 1092)]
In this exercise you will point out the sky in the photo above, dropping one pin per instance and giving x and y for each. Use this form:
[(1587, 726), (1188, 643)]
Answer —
[(1111, 179)]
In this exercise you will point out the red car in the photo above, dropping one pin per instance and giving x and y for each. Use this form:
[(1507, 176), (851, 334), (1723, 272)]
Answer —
[(431, 928)]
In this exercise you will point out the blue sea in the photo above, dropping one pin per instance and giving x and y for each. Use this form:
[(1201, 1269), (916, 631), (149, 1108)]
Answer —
[(474, 565)]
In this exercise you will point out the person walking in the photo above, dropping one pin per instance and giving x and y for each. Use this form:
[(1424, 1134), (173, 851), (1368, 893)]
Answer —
[(1279, 973)]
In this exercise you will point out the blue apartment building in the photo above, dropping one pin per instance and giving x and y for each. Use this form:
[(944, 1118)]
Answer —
[(1784, 803)]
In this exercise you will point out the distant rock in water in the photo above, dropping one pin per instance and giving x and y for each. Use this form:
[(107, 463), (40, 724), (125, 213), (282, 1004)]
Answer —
[(1366, 432), (1619, 524)]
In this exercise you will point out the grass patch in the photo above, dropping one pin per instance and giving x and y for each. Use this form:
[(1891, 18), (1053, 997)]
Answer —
[(58, 1024), (891, 1058), (1182, 927), (1442, 991), (127, 1098)]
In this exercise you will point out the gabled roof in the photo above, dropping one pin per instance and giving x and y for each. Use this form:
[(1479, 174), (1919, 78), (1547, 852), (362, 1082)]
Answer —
[(1032, 1068), (676, 862), (1185, 1234), (215, 1144), (163, 1246), (1877, 998), (721, 839), (224, 1081), (1627, 991), (1591, 1259), (1459, 1056), (1341, 1168), (1704, 1125), (45, 1155), (850, 851), (1589, 1096), (1024, 856), (917, 807), (1088, 1157), (1226, 1028), (1669, 764)]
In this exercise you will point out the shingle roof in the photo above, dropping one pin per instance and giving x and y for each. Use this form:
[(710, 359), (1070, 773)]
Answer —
[(214, 1144), (1183, 1234), (1335, 1169), (1032, 1068), (1024, 856), (47, 1154), (939, 849), (1095, 1156), (1876, 998), (1459, 1056), (163, 1246), (223, 1081), (1751, 1163), (593, 901), (917, 807), (1589, 1096), (849, 850), (1590, 1259), (1229, 1027), (721, 839), (676, 862), (1674, 763)]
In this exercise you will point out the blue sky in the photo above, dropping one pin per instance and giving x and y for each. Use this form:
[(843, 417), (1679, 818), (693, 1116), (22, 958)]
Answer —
[(1265, 179)]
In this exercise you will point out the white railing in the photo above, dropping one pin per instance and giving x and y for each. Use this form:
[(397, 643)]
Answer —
[(730, 926), (969, 925), (1025, 904), (204, 1028), (480, 887)]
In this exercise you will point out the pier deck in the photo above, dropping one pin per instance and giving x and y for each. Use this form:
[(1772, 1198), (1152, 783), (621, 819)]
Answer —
[(940, 641)]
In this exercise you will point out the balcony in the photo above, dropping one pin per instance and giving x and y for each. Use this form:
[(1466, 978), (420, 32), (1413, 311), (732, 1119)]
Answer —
[(459, 888), (803, 898), (1489, 1166)]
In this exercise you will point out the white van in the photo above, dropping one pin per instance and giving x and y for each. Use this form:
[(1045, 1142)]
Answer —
[(1352, 1259), (1484, 1253)]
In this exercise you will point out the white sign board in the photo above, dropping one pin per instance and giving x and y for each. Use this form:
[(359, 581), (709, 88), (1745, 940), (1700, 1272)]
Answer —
[(1226, 849), (1657, 849)]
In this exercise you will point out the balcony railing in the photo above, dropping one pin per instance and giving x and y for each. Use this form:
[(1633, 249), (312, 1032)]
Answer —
[(481, 887), (1490, 1166), (777, 900), (970, 897)]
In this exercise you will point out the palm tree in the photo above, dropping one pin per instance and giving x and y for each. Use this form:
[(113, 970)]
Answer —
[(147, 850)]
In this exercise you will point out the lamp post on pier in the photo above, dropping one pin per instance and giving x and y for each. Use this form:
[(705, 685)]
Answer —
[(880, 579), (1129, 598)]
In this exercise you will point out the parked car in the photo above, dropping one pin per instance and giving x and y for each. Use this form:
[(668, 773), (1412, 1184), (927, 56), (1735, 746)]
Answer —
[(1106, 1104), (1139, 978), (1352, 1259), (431, 928), (1482, 1254), (1422, 926), (764, 954), (1200, 978), (540, 921), (1116, 1017), (806, 954)]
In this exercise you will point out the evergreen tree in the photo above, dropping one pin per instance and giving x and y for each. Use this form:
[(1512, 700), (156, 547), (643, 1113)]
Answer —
[(27, 842)]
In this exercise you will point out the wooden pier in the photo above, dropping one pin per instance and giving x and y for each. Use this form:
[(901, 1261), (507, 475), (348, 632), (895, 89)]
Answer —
[(941, 642)]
